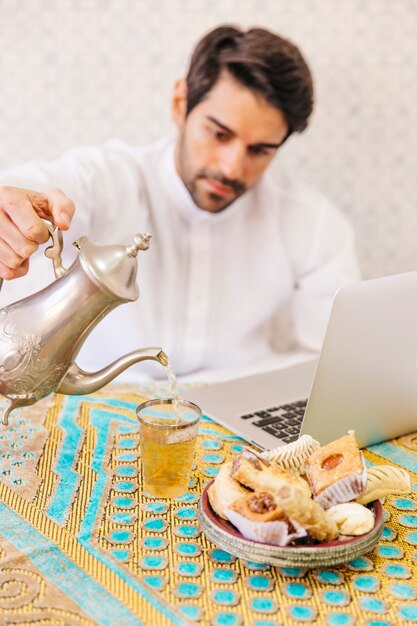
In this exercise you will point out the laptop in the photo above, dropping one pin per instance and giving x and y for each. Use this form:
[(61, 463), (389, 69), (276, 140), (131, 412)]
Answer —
[(365, 379)]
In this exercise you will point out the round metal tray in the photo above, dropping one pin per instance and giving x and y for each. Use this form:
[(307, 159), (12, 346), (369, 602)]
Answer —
[(226, 536)]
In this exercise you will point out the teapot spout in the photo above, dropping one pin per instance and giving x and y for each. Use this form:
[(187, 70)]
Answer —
[(11, 404), (78, 382)]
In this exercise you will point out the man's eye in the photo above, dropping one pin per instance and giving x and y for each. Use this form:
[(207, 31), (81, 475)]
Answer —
[(259, 150), (221, 135)]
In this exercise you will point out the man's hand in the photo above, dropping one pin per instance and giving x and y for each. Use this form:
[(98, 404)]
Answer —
[(21, 227)]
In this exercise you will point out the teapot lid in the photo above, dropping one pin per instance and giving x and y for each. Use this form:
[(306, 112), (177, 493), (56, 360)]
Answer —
[(113, 267)]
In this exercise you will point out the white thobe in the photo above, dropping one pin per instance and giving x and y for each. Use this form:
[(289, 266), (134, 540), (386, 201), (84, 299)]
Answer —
[(211, 285)]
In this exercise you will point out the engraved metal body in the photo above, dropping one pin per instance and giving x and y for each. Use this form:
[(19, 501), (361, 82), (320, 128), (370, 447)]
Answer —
[(40, 336)]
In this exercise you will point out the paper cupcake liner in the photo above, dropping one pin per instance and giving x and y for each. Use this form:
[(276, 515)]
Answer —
[(275, 532), (343, 490)]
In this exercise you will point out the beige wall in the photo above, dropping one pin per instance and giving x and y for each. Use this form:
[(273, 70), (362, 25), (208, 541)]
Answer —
[(81, 71)]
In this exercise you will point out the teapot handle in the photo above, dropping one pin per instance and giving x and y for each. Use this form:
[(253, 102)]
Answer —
[(54, 251)]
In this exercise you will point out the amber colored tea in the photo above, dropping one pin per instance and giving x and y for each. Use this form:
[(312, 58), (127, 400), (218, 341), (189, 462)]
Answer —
[(167, 457), (168, 431)]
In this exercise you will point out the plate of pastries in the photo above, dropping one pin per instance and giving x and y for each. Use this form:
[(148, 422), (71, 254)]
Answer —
[(299, 505)]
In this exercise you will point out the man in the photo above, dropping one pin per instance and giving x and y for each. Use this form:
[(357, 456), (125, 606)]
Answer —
[(233, 240)]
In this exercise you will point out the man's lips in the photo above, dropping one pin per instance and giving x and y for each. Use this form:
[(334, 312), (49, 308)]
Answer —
[(215, 187)]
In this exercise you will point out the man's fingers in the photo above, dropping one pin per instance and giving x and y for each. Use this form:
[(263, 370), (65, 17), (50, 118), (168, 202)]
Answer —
[(22, 228), (25, 208), (9, 274), (17, 207), (61, 208), (15, 243), (8, 256), (53, 205)]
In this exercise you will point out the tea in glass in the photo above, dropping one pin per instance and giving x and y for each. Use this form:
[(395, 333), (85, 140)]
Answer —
[(168, 436)]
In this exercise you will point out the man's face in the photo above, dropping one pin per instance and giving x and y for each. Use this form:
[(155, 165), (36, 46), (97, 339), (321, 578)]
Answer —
[(226, 143)]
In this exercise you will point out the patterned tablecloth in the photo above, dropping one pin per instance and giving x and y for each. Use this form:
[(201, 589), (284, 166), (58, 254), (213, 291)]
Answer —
[(82, 544)]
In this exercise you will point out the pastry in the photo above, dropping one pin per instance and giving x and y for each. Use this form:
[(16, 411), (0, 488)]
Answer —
[(259, 516), (384, 480), (294, 455), (258, 474), (224, 490), (351, 518), (301, 510), (259, 506), (337, 472)]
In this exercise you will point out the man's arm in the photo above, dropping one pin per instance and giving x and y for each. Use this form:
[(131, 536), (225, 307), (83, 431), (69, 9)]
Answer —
[(21, 226), (313, 299), (320, 243), (50, 190), (102, 182)]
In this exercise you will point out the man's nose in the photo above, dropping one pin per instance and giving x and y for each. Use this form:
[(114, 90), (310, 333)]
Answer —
[(232, 161)]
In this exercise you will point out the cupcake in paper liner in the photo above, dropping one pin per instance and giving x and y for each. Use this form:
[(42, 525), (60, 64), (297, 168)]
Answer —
[(337, 472), (259, 517)]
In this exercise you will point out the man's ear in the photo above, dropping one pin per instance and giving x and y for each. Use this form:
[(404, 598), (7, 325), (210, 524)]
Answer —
[(179, 102)]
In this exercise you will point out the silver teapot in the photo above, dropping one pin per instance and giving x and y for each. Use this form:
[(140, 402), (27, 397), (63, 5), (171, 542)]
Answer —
[(41, 335)]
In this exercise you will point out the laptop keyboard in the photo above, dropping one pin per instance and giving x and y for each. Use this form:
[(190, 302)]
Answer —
[(283, 422)]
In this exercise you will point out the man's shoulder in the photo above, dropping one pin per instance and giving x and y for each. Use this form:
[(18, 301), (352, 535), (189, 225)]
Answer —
[(303, 212), (293, 195), (142, 154), (115, 159), (113, 151)]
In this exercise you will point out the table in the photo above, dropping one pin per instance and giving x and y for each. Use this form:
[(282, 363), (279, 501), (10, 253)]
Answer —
[(82, 544)]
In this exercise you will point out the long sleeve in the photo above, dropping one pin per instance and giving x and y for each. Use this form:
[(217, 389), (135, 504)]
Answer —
[(75, 173), (101, 181), (320, 243)]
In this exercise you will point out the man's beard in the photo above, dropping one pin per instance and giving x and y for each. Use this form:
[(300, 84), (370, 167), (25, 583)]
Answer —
[(237, 186), (220, 203)]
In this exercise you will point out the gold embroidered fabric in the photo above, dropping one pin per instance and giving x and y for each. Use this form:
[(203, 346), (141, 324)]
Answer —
[(81, 543)]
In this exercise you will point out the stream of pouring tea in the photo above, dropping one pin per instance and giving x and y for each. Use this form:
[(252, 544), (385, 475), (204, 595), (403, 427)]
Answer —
[(172, 380)]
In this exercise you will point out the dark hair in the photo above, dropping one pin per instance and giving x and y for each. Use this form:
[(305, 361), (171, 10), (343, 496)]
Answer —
[(261, 61)]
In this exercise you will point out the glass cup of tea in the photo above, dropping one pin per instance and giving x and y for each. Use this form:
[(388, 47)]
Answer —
[(168, 430)]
